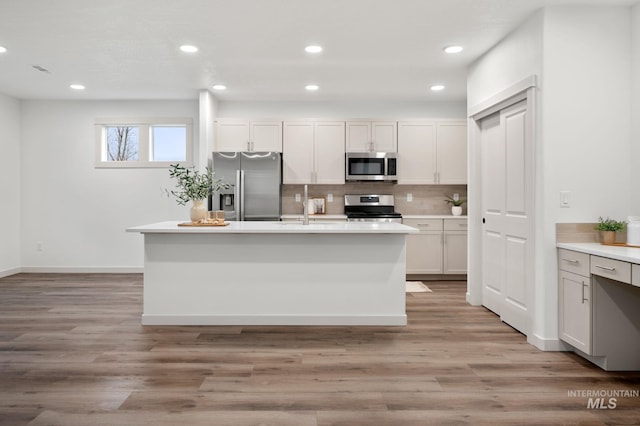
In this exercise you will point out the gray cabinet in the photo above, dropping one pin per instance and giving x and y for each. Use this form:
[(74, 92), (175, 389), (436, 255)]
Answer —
[(439, 248), (574, 299)]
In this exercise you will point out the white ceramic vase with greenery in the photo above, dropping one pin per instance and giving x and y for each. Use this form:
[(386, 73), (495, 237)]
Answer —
[(194, 186), (456, 204)]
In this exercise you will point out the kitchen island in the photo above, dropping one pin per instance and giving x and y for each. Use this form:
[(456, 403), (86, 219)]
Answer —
[(274, 273)]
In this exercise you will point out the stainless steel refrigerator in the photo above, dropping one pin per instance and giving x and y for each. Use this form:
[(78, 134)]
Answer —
[(255, 179)]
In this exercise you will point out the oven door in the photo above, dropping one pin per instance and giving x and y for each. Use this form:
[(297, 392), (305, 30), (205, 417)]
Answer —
[(372, 166)]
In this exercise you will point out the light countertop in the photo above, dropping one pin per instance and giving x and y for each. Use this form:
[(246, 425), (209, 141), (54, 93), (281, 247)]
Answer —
[(261, 227), (625, 254), (319, 217), (432, 216), (316, 217)]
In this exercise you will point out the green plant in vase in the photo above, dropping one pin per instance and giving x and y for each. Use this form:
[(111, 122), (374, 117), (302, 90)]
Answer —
[(456, 204), (608, 228), (194, 186)]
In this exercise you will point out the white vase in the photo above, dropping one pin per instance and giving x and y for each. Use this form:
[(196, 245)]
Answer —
[(198, 211), (456, 210)]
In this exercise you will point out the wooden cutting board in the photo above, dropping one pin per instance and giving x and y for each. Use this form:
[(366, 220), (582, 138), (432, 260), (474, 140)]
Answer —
[(620, 245)]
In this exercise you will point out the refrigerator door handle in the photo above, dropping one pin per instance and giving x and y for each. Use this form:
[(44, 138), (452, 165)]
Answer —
[(241, 172), (236, 196)]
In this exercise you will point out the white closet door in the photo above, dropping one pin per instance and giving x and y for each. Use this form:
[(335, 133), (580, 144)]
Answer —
[(507, 184)]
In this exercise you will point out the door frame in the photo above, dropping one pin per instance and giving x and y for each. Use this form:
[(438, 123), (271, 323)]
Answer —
[(525, 89)]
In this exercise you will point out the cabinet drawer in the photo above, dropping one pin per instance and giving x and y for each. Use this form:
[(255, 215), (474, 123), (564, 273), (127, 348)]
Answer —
[(610, 268), (635, 275), (455, 224), (424, 224), (573, 261)]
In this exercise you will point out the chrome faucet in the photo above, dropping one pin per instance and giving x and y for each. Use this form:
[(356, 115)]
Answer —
[(305, 206)]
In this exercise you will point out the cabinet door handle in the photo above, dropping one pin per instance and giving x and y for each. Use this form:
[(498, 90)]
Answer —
[(606, 268), (423, 224), (583, 287), (575, 261)]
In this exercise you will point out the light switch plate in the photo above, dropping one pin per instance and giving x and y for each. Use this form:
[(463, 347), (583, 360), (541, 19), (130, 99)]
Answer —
[(565, 199)]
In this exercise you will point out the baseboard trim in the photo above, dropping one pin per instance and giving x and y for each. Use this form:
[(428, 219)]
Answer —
[(82, 270), (549, 345), (436, 277), (9, 272), (304, 320)]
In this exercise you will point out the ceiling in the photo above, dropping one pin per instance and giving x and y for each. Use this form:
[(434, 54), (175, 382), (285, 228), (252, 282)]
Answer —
[(373, 49)]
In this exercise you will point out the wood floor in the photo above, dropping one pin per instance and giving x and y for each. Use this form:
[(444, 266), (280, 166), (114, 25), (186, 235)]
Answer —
[(73, 352)]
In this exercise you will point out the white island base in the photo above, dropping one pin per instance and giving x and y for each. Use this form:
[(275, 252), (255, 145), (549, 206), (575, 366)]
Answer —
[(274, 273)]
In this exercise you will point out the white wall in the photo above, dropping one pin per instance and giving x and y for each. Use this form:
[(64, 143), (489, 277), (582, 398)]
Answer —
[(516, 57), (78, 212), (208, 108), (583, 129), (587, 116), (342, 110), (586, 127), (635, 111), (9, 185)]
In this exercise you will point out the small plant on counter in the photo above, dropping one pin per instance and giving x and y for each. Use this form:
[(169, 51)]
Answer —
[(454, 202), (193, 185), (610, 224)]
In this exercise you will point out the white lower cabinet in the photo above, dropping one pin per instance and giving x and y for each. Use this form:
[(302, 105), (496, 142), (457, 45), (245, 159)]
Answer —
[(575, 310), (439, 248), (424, 250), (574, 299)]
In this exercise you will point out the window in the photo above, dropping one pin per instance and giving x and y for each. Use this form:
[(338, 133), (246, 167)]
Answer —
[(126, 142)]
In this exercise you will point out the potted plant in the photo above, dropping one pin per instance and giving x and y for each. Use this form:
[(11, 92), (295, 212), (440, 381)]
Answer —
[(608, 228), (194, 186), (456, 204)]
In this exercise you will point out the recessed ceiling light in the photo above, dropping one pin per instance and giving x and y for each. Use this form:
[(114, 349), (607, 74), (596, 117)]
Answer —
[(437, 87), (77, 86), (453, 49), (219, 87), (311, 87), (3, 49), (313, 49), (187, 48)]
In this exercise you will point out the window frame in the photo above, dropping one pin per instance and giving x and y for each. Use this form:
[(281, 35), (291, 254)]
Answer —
[(145, 126)]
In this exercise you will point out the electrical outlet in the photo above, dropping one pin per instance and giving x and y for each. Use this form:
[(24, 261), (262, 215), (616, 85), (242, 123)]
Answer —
[(329, 198), (297, 198), (39, 246), (409, 197), (456, 196)]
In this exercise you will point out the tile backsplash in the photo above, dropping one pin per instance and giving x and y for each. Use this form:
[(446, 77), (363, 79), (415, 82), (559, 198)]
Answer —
[(427, 199)]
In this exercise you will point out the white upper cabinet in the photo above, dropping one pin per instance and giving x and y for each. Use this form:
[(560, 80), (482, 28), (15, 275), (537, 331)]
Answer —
[(313, 152), (416, 153), (371, 136), (245, 135), (297, 153), (452, 152), (329, 153), (432, 152)]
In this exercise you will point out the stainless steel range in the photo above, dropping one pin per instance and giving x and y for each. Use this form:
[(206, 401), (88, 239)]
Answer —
[(370, 208)]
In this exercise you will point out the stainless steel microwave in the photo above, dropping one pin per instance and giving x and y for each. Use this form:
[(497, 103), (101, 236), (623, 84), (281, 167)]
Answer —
[(371, 166)]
